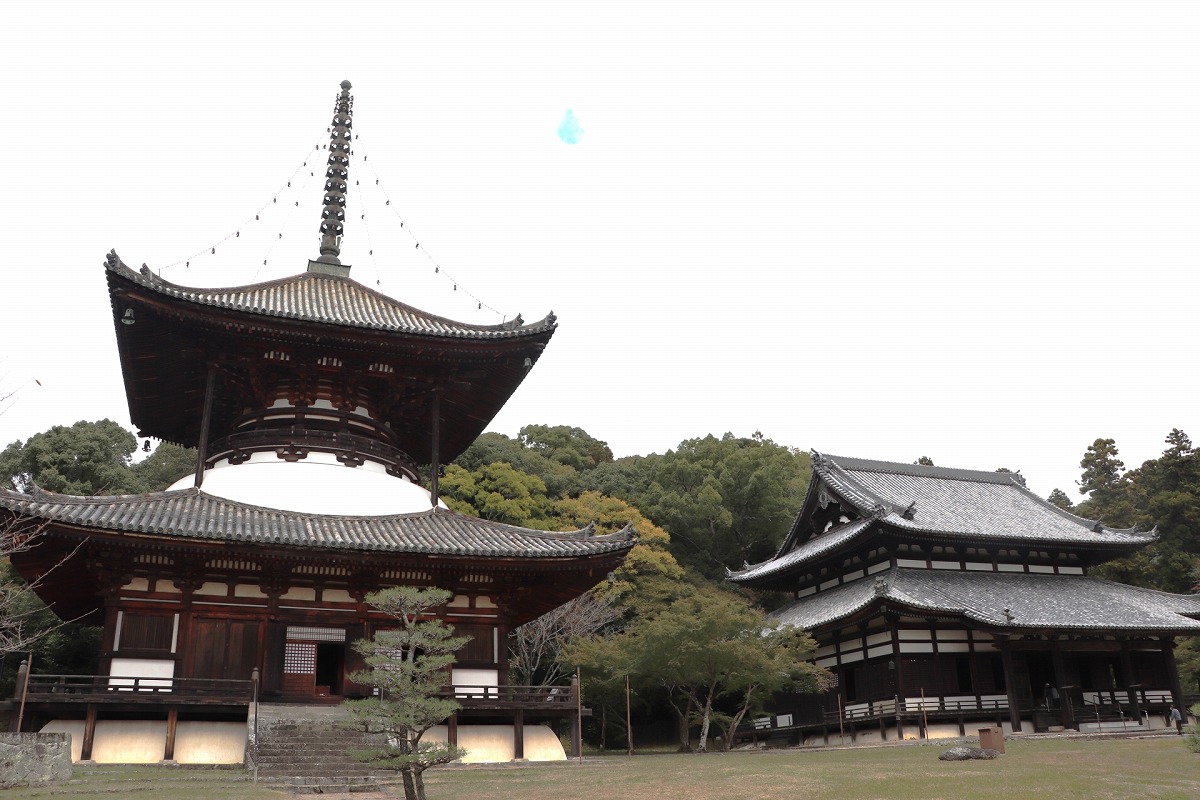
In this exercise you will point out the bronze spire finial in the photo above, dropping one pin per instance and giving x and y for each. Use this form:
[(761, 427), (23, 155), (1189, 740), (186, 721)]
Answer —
[(337, 176)]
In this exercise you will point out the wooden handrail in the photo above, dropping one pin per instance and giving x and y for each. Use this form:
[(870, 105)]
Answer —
[(51, 687)]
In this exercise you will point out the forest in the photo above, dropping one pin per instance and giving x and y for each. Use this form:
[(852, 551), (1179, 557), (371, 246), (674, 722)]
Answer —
[(710, 504)]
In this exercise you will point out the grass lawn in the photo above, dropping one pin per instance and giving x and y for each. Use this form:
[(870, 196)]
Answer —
[(1159, 768), (1143, 768)]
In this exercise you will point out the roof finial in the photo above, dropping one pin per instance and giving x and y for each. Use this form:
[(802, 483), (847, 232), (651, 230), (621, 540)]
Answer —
[(336, 180)]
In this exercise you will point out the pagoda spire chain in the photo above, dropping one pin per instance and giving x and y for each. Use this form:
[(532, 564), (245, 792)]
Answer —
[(337, 175)]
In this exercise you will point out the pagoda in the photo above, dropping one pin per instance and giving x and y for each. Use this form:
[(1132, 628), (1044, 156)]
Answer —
[(312, 402), (941, 597)]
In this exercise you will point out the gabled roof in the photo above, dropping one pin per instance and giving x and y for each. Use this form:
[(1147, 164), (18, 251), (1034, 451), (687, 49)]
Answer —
[(1032, 601), (192, 515), (914, 501), (992, 505), (327, 299)]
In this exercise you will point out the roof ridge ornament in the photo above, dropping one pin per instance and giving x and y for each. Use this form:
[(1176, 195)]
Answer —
[(337, 175)]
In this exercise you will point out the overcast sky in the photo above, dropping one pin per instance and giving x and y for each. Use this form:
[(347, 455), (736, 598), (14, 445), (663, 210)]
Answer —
[(883, 230)]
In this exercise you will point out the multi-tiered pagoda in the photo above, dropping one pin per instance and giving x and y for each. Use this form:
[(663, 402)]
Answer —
[(312, 401), (941, 597)]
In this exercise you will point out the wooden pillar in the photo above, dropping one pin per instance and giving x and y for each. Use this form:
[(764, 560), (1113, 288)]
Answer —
[(205, 424), (576, 718), (452, 729), (519, 735), (1066, 705), (435, 445), (1010, 687), (1168, 650), (172, 722), (1131, 681), (89, 733)]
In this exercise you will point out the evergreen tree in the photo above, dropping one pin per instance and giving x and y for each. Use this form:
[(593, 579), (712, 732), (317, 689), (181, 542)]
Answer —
[(407, 666)]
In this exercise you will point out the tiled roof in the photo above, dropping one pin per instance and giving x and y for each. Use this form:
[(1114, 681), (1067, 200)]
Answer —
[(978, 505), (1034, 601), (190, 514), (316, 297), (813, 547)]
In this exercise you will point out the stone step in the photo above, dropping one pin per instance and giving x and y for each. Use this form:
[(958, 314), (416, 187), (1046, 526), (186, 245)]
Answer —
[(313, 753)]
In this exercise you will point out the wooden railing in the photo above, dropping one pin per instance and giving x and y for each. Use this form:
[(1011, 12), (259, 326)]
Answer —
[(131, 688), (912, 706), (529, 697)]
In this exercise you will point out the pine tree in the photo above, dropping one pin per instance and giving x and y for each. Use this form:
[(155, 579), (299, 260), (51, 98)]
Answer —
[(407, 666)]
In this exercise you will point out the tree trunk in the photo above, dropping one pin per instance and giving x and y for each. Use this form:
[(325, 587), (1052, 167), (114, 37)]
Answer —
[(706, 718), (738, 717), (685, 743), (682, 718), (414, 787)]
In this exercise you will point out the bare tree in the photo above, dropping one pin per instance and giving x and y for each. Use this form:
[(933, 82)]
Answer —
[(535, 645), (16, 635)]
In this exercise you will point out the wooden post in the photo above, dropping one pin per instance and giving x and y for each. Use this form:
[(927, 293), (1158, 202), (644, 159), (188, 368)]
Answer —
[(435, 425), (519, 735), (1066, 710), (89, 733), (205, 423), (172, 722), (1168, 651), (1010, 687), (23, 681), (452, 729), (1131, 682), (577, 720), (628, 721)]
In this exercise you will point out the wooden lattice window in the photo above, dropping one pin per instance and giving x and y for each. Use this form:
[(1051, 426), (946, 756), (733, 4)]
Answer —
[(300, 658)]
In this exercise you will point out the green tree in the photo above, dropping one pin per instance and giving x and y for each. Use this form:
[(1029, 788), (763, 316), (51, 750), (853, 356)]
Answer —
[(1104, 482), (407, 665), (773, 662), (498, 492), (167, 464), (561, 479), (725, 501), (1060, 498), (924, 461), (573, 447), (704, 647), (87, 458), (650, 578), (1162, 494)]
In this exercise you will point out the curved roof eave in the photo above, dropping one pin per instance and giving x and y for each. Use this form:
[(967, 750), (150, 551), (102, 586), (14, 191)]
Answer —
[(1004, 601), (336, 301), (192, 515)]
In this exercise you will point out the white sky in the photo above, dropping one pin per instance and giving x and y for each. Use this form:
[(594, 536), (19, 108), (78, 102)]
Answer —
[(885, 230)]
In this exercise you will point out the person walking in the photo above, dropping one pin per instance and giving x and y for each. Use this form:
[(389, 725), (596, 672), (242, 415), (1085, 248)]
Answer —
[(1177, 718)]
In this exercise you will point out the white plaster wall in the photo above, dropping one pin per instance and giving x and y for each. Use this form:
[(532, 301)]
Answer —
[(141, 668), (490, 744), (199, 742), (143, 741), (319, 484)]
